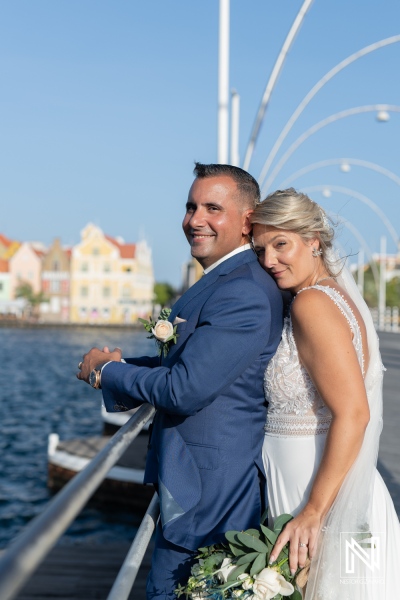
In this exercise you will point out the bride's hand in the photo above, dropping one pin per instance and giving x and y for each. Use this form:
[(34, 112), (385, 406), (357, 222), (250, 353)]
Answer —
[(301, 532)]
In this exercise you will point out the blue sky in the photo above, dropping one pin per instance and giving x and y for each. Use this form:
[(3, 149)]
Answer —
[(105, 105)]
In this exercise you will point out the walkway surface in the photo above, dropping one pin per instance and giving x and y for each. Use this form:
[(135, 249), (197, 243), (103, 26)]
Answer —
[(83, 572)]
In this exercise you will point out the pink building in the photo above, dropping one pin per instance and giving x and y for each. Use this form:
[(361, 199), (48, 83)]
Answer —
[(25, 266)]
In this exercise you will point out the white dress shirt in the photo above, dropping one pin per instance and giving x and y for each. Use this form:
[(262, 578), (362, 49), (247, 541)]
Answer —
[(221, 260)]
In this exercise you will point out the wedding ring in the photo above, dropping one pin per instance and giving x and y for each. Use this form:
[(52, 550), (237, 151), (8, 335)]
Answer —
[(80, 365), (301, 545)]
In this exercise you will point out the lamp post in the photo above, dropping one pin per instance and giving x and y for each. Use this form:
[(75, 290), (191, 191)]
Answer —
[(331, 119), (327, 77), (361, 240), (360, 272), (273, 79), (382, 284), (362, 198), (223, 82), (367, 249), (235, 113), (345, 165)]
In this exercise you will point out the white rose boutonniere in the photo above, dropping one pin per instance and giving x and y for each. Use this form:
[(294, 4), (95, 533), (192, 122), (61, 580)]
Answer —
[(162, 330)]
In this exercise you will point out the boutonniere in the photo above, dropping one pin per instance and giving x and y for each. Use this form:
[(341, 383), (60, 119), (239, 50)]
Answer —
[(162, 330)]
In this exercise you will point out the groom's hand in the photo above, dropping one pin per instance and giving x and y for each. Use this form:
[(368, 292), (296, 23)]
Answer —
[(96, 357)]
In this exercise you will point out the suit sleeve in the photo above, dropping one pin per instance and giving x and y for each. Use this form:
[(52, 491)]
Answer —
[(232, 332), (144, 361)]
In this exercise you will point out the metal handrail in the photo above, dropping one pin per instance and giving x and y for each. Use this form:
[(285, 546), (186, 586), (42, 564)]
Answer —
[(130, 567), (29, 549)]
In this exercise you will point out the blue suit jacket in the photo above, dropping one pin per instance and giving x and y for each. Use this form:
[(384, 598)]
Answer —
[(205, 452)]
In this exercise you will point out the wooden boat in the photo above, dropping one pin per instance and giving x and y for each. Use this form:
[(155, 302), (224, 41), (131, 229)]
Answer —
[(124, 482), (112, 421)]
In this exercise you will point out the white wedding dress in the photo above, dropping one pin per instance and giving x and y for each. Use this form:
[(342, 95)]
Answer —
[(295, 434)]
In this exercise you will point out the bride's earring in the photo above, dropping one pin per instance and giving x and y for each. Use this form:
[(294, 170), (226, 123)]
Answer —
[(316, 252)]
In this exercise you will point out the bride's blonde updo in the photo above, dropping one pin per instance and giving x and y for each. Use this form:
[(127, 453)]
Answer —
[(294, 211)]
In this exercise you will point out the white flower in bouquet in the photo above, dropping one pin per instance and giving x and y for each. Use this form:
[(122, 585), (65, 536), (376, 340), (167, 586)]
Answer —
[(224, 570), (200, 595), (268, 583), (247, 581), (162, 330)]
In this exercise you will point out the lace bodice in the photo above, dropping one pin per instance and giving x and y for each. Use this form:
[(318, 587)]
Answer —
[(294, 405)]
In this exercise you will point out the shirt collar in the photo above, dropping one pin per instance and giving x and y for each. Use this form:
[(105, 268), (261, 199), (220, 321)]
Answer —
[(221, 260)]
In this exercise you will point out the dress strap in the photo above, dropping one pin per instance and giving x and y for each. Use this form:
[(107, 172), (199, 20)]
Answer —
[(347, 312)]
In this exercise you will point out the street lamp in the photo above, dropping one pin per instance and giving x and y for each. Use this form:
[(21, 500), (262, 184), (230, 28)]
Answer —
[(327, 77), (382, 116), (349, 225), (273, 79), (362, 198), (345, 167), (331, 119), (223, 82), (235, 113)]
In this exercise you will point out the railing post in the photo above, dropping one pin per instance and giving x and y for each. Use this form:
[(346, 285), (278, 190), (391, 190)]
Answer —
[(129, 570)]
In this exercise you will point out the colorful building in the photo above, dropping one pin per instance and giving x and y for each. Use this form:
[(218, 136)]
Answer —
[(56, 283), (25, 266), (111, 282)]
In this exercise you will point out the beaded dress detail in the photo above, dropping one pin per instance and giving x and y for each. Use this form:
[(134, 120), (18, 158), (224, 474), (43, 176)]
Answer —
[(294, 406)]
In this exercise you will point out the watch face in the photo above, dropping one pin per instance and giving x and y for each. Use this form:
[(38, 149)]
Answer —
[(92, 378)]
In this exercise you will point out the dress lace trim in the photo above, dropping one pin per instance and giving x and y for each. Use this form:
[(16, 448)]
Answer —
[(290, 425)]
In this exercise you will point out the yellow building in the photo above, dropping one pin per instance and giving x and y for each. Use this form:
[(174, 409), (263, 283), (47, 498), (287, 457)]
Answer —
[(111, 282)]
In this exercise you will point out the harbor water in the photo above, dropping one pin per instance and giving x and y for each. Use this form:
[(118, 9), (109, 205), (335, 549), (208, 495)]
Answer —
[(39, 395)]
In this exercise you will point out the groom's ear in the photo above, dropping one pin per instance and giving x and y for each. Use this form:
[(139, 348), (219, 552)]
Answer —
[(247, 225)]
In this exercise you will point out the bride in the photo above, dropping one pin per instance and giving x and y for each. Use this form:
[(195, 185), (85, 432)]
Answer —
[(324, 393)]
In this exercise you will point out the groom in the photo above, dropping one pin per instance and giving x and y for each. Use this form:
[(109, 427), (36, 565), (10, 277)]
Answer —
[(205, 452)]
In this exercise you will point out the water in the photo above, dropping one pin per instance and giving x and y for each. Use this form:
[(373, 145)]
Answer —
[(39, 395)]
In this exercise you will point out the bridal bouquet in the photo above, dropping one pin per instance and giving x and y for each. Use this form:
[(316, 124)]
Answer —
[(239, 568)]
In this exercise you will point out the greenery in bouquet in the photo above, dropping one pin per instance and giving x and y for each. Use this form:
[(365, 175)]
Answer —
[(239, 568), (162, 330)]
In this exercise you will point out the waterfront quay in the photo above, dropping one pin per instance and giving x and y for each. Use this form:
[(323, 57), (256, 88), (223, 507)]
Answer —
[(84, 570)]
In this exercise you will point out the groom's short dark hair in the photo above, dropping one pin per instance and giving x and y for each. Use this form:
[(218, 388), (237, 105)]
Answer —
[(248, 188)]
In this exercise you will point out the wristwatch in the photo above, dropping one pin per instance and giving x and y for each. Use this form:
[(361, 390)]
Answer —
[(95, 378)]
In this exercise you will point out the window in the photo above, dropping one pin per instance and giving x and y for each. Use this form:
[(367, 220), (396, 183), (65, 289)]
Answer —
[(82, 312), (84, 291), (106, 292), (56, 265), (126, 292), (84, 267), (95, 251), (107, 268), (106, 313), (1, 286), (55, 286)]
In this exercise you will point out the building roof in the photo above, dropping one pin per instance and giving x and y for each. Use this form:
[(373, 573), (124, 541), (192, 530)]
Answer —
[(5, 240), (125, 250), (3, 265), (38, 253)]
